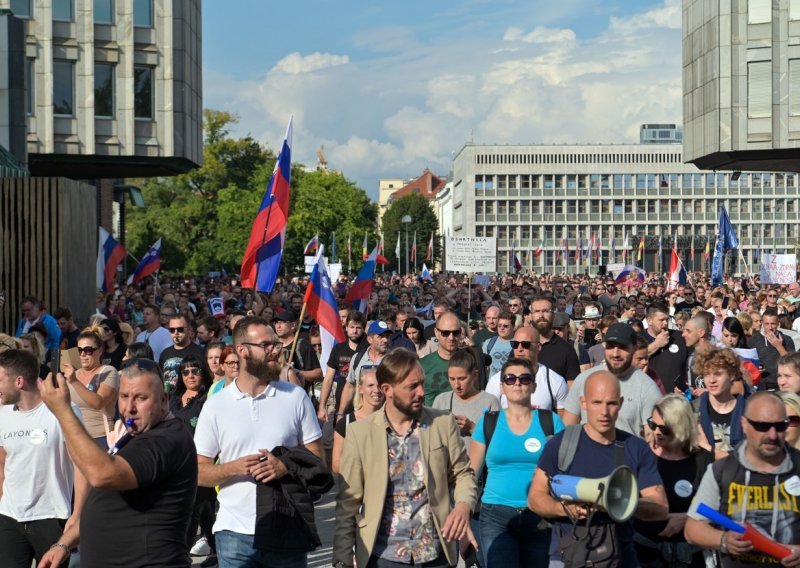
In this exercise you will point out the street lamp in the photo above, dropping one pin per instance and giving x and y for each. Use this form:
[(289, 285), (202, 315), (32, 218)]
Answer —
[(406, 220)]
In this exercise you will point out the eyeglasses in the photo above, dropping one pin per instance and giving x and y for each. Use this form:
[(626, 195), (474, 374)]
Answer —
[(448, 332), (663, 428), (503, 325), (514, 305), (523, 344), (524, 379), (176, 329), (87, 350), (190, 371), (231, 364), (772, 295), (274, 346), (765, 426)]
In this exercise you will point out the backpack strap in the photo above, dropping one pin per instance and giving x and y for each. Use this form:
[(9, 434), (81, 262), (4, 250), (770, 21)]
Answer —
[(550, 388), (569, 446), (546, 422), (492, 341), (489, 426)]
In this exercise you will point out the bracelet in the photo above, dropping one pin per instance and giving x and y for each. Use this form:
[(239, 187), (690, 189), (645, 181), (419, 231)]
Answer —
[(340, 414), (723, 546), (60, 545)]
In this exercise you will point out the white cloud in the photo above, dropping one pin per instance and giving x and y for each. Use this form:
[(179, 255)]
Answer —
[(296, 64), (540, 34)]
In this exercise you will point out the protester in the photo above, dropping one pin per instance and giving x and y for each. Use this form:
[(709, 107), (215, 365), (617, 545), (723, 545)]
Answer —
[(182, 347), (555, 353), (368, 400), (792, 402), (69, 331), (415, 332), (499, 347), (338, 367), (364, 359), (229, 362), (32, 313), (157, 337), (668, 352), (771, 345), (138, 351), (449, 334), (214, 359), (114, 346)]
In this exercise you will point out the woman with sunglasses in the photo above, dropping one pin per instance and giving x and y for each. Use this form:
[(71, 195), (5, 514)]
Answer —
[(792, 402), (229, 362), (368, 399), (720, 411), (94, 386), (509, 531), (681, 465), (113, 344)]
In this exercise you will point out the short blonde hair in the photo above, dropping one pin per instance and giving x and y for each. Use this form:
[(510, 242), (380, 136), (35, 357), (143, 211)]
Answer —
[(680, 418), (792, 400), (746, 321)]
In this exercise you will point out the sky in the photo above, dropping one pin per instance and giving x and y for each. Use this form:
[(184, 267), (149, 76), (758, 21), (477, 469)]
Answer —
[(391, 88)]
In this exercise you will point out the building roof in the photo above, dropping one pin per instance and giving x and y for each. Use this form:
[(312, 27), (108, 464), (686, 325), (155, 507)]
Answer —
[(426, 185)]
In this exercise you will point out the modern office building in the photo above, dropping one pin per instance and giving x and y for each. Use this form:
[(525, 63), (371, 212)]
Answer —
[(660, 134), (741, 84), (528, 196)]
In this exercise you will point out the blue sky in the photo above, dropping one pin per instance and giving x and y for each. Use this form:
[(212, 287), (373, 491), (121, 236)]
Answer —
[(389, 88)]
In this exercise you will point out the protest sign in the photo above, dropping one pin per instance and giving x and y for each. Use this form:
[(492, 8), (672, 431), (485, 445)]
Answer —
[(470, 254), (778, 268)]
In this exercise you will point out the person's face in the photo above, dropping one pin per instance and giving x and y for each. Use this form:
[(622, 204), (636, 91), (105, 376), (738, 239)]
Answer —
[(90, 353), (691, 335), (641, 359), (769, 324), (371, 392), (10, 387), (283, 329), (166, 315), (718, 382), (602, 404), (262, 362), (297, 304), (527, 345), (143, 400), (231, 366), (400, 320), (772, 298), (413, 334), (343, 317), (788, 379), (491, 318), (438, 311), (505, 329), (518, 392), (408, 395), (659, 438), (793, 432), (355, 330), (27, 345), (639, 311), (316, 344), (448, 332), (577, 309), (716, 304), (619, 357), (701, 294), (212, 359), (63, 324), (150, 317), (591, 323), (756, 317), (657, 323), (461, 381), (769, 444), (179, 330), (561, 305), (515, 305), (191, 377), (729, 339), (379, 343), (542, 316), (203, 334), (29, 311)]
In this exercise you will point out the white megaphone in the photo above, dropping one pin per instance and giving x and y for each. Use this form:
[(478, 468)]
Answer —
[(617, 493)]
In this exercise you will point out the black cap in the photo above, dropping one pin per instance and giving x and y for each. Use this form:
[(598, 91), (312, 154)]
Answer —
[(284, 315), (621, 334)]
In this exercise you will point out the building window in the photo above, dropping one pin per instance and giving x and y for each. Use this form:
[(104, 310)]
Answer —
[(759, 11), (759, 89), (103, 11), (21, 8), (104, 90), (29, 87), (62, 10), (794, 86), (143, 13), (794, 9), (63, 88), (143, 92)]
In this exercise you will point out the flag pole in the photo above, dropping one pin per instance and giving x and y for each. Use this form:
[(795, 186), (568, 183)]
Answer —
[(299, 320)]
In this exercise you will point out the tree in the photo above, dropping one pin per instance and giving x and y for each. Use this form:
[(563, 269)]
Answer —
[(423, 221)]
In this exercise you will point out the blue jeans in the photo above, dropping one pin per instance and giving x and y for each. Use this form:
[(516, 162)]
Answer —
[(511, 537), (236, 550)]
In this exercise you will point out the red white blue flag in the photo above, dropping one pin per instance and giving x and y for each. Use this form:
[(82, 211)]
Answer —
[(312, 246), (321, 305), (359, 292), (109, 254), (150, 263), (262, 257)]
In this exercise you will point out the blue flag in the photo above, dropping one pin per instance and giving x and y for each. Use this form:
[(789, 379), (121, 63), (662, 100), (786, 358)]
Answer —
[(726, 240)]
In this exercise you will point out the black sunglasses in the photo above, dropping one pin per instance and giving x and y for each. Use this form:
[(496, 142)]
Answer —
[(447, 332), (524, 379), (793, 420), (190, 371), (765, 426), (87, 350), (663, 428), (180, 329), (523, 344)]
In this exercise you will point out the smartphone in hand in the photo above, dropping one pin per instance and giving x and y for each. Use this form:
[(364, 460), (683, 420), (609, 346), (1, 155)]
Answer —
[(55, 365)]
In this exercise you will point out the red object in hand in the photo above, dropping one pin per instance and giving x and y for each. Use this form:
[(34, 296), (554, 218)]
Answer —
[(763, 543)]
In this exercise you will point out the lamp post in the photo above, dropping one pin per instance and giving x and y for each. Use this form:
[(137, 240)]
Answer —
[(406, 220)]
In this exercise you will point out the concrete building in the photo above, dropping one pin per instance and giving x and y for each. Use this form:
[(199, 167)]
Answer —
[(741, 84), (531, 195), (660, 134), (444, 205), (386, 187)]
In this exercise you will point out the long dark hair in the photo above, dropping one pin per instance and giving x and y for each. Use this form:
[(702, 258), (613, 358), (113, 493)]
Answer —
[(205, 376), (733, 325), (416, 323)]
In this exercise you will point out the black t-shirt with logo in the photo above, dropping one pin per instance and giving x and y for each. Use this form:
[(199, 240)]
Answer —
[(339, 361), (171, 359)]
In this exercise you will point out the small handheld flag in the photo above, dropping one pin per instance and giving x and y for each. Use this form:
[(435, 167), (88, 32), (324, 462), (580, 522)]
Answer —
[(150, 263)]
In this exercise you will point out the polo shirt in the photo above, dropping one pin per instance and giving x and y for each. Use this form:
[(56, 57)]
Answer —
[(233, 424), (559, 356), (669, 362)]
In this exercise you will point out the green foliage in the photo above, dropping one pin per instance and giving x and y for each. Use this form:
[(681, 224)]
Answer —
[(205, 216), (423, 221)]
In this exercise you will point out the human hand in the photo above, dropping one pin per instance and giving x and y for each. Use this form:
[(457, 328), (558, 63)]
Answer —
[(662, 339), (675, 524), (53, 558), (464, 423), (456, 525), (269, 468), (578, 511), (322, 413), (736, 545), (56, 399), (243, 465), (68, 371), (793, 560)]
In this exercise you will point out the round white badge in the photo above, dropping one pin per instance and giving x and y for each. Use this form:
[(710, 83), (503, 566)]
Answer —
[(683, 488), (533, 445), (37, 436), (792, 485), (673, 348)]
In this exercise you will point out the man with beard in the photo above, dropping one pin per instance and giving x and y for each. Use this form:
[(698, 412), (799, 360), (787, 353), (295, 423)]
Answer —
[(242, 425), (398, 470), (667, 349), (555, 354), (763, 465), (639, 392)]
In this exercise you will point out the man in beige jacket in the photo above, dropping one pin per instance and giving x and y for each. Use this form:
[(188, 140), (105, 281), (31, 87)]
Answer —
[(398, 468)]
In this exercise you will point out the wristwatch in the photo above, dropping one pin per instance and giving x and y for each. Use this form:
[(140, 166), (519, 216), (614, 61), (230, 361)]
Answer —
[(723, 546)]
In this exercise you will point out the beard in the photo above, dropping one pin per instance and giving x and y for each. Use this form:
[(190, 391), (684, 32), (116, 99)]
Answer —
[(267, 369), (544, 327), (622, 368), (408, 409)]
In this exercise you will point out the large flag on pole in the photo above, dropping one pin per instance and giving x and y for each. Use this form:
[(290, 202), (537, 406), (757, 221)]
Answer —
[(262, 257), (429, 255), (726, 240), (677, 272), (414, 249), (359, 292), (691, 251), (150, 263), (538, 252), (625, 247), (109, 254), (312, 246), (397, 247), (641, 249), (364, 247), (321, 305), (612, 253)]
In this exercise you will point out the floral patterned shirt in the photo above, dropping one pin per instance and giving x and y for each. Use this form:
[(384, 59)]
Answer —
[(407, 533)]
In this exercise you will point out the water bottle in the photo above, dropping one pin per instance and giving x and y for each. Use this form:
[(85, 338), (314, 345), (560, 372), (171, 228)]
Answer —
[(688, 393)]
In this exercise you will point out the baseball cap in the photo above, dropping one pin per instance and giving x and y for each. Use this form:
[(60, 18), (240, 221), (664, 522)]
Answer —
[(378, 328), (284, 315), (621, 334)]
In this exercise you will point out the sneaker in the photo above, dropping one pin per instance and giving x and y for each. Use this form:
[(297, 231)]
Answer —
[(209, 562), (201, 547)]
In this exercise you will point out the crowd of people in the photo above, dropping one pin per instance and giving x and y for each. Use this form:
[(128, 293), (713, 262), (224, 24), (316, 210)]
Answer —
[(194, 417)]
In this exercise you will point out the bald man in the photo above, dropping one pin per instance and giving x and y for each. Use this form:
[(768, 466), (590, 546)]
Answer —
[(601, 448), (551, 388), (491, 326), (450, 336)]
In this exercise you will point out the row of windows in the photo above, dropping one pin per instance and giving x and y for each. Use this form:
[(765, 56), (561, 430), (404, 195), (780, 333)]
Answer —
[(734, 207), (532, 235), (760, 11), (104, 89), (64, 11), (631, 181), (628, 158)]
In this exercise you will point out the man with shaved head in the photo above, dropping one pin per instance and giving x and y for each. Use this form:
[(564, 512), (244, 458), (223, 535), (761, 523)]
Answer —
[(449, 334), (551, 388), (598, 449), (490, 317), (697, 335)]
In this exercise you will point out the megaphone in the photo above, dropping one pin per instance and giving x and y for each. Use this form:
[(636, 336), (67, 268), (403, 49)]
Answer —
[(617, 493)]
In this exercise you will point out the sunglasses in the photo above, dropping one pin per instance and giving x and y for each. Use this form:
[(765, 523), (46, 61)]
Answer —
[(87, 350), (448, 332), (663, 428), (765, 426), (794, 421), (176, 329), (190, 371), (524, 379), (523, 344)]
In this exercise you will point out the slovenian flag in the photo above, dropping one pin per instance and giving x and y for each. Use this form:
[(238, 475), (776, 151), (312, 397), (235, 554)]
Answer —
[(312, 246), (750, 362), (150, 263), (321, 305), (677, 272), (109, 254), (426, 274), (262, 257), (359, 292)]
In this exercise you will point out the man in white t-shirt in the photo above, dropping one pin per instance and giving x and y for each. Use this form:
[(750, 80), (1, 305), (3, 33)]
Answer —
[(551, 388), (36, 472), (157, 337), (242, 425)]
